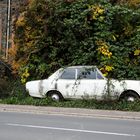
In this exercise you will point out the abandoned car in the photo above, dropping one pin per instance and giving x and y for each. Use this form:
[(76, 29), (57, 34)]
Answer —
[(83, 82)]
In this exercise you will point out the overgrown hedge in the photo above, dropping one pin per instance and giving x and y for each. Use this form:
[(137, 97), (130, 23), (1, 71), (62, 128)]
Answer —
[(54, 33), (6, 79)]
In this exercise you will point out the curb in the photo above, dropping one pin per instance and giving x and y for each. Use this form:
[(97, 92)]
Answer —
[(70, 112)]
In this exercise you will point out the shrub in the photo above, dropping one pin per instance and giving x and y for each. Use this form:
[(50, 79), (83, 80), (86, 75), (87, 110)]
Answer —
[(82, 32), (3, 88)]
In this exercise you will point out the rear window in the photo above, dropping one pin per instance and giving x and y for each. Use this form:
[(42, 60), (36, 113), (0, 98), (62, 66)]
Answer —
[(89, 74)]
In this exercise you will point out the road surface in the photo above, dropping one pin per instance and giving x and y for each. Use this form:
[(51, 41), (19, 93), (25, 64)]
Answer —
[(24, 126)]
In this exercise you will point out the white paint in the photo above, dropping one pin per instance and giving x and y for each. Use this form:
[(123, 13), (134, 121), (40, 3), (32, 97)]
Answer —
[(69, 129)]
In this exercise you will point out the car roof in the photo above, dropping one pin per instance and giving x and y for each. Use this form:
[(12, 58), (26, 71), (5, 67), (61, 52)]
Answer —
[(82, 66)]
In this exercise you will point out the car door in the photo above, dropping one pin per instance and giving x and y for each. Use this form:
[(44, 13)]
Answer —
[(66, 82), (90, 83)]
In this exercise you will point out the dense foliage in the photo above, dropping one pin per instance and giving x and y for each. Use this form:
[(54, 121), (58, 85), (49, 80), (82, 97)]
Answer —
[(5, 78), (53, 33)]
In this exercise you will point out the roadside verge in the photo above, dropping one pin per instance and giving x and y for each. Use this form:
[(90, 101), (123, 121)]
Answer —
[(70, 111)]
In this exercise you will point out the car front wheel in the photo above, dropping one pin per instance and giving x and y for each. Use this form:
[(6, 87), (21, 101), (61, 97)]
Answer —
[(55, 96)]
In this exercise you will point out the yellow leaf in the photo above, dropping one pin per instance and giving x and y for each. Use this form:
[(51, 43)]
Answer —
[(100, 11), (114, 38), (137, 52)]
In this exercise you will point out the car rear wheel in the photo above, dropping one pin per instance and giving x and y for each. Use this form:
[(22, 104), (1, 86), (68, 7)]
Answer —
[(129, 96), (55, 96)]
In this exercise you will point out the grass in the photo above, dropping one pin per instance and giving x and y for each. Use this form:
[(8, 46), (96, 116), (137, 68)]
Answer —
[(89, 104)]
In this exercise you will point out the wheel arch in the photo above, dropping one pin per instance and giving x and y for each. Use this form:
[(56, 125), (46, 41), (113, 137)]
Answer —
[(54, 91), (126, 92)]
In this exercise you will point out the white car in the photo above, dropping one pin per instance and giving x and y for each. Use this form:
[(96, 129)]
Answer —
[(83, 82)]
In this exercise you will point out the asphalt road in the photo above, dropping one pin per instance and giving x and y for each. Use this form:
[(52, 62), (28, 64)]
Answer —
[(24, 126)]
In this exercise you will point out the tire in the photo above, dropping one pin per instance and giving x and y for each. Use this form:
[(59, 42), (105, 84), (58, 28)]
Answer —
[(129, 96), (55, 96)]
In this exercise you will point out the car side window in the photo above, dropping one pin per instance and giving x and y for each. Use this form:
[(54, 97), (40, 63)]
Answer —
[(89, 74), (99, 76), (68, 73)]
